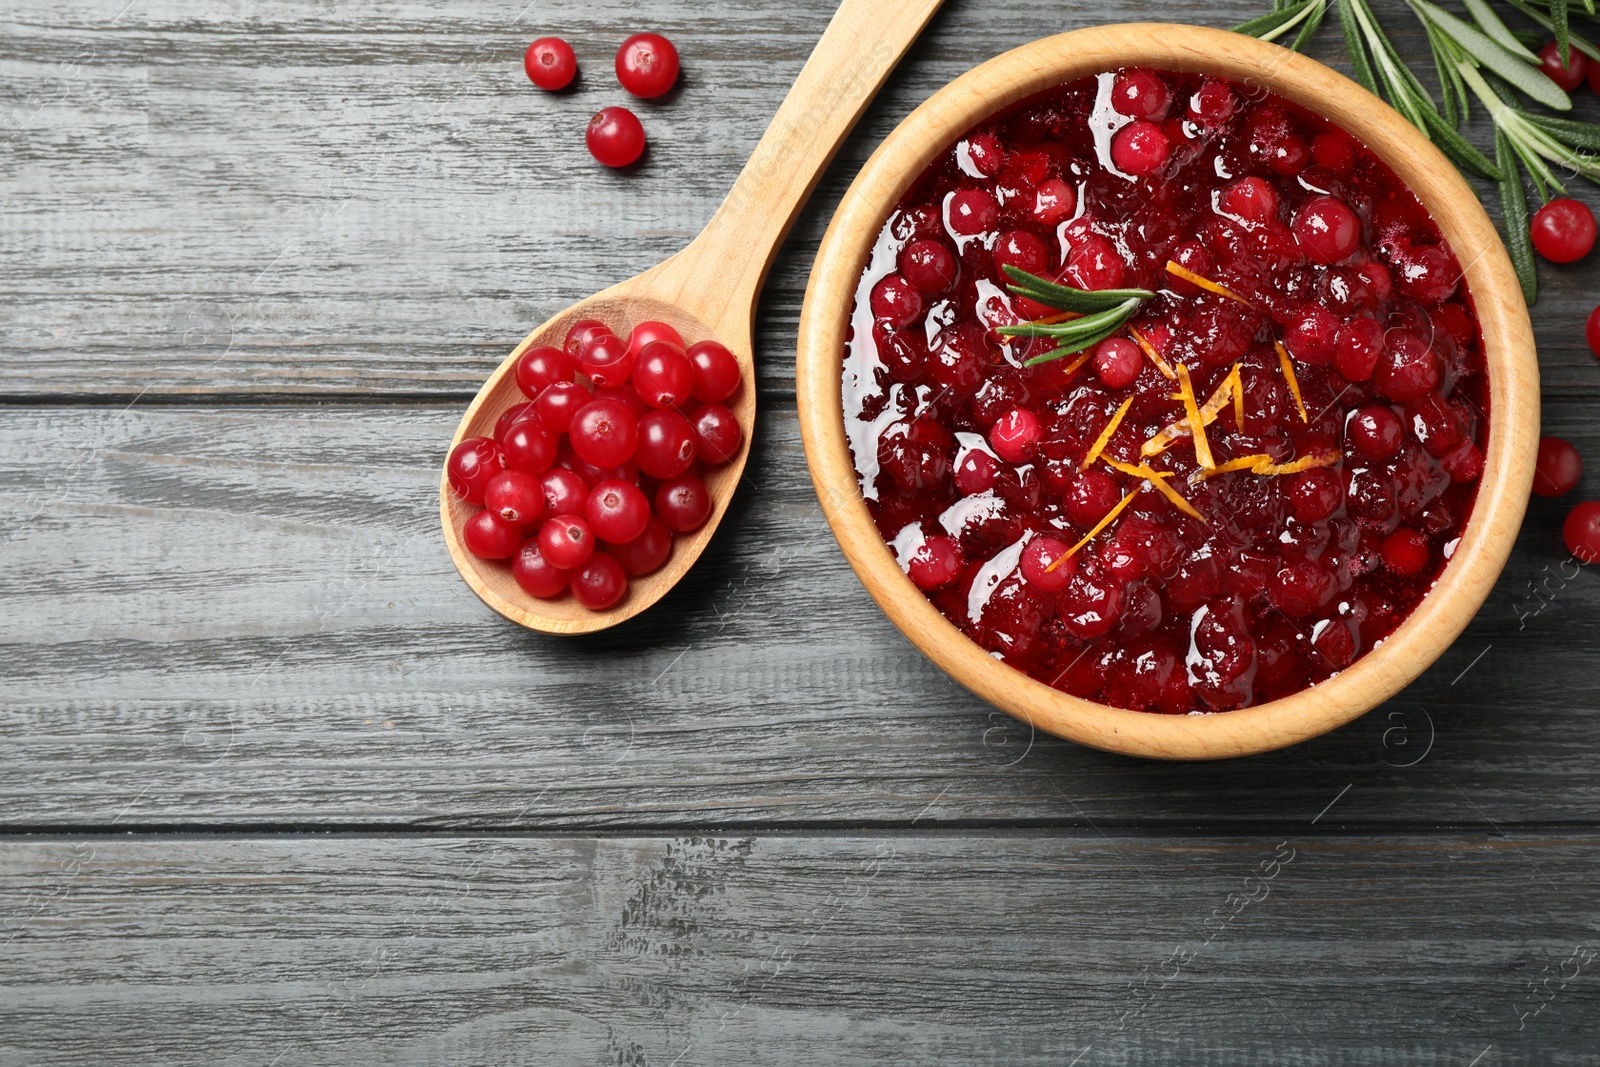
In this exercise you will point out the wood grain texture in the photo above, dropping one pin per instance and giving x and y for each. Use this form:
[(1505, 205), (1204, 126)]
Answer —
[(245, 615), (182, 217), (933, 948)]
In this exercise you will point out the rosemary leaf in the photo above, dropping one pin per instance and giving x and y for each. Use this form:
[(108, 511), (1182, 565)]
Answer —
[(1272, 20), (1577, 134), (1558, 19), (1580, 43), (1067, 332), (1458, 147), (1491, 24), (1066, 298), (1514, 208), (1356, 49), (1311, 27), (1074, 347), (1526, 78)]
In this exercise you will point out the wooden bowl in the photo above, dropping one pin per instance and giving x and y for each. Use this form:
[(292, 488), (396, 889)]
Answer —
[(1507, 335)]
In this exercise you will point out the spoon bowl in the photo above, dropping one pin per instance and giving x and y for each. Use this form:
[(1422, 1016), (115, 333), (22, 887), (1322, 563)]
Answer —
[(708, 291)]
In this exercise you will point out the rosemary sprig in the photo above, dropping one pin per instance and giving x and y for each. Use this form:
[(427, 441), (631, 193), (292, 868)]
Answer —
[(1102, 313)]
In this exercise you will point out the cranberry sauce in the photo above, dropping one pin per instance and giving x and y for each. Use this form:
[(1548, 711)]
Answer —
[(1332, 360)]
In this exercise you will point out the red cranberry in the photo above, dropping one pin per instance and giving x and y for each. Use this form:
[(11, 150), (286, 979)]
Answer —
[(647, 65), (566, 541), (1140, 148), (617, 511), (717, 433), (934, 563), (600, 583), (1563, 230), (1593, 75), (1250, 199), (1192, 256), (1045, 564), (1591, 326), (535, 574), (1022, 250), (1090, 604), (539, 368), (615, 136), (1315, 494), (960, 361), (663, 376), (716, 371), (1409, 369), (1568, 76), (558, 403), (972, 212), (1334, 150), (898, 351), (1302, 588), (975, 471), (648, 333), (606, 360), (1582, 532), (1091, 496), (1405, 552), (604, 432), (551, 64), (1435, 424), (1139, 94), (929, 265), (1313, 335), (1429, 274), (471, 465), (565, 492), (1213, 103), (1558, 469), (515, 496), (1053, 203), (667, 444), (895, 301), (1356, 352), (1118, 362), (985, 153), (581, 333), (1375, 431), (624, 395), (1095, 263), (1327, 230), (683, 503), (513, 415), (1465, 464), (488, 536), (1013, 437), (646, 552), (529, 446)]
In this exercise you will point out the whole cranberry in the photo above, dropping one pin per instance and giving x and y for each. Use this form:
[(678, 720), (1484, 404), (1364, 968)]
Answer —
[(895, 301), (1118, 362), (1213, 103), (1022, 250), (550, 63), (536, 575), (1140, 94), (1091, 496), (1568, 75), (558, 403), (1192, 256), (581, 333), (472, 465), (1334, 150), (985, 153), (646, 552), (1045, 564), (1053, 202), (960, 360), (529, 446), (1315, 494), (599, 583), (975, 471), (1558, 469), (488, 536), (606, 360), (1326, 230), (1250, 199), (717, 432), (1405, 552), (1563, 230), (1312, 336), (1429, 274), (936, 562), (929, 265), (1409, 368), (1591, 325), (615, 136), (1014, 435), (647, 65), (1582, 532), (971, 212), (1375, 431), (1140, 148), (716, 371), (1095, 263), (1302, 588), (1356, 351), (1090, 604), (1465, 464)]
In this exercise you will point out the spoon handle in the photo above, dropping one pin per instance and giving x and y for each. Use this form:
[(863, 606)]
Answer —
[(861, 45)]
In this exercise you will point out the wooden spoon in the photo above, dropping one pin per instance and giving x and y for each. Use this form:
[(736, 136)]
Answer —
[(708, 290)]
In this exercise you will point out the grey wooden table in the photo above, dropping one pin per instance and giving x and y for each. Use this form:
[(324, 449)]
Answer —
[(275, 788)]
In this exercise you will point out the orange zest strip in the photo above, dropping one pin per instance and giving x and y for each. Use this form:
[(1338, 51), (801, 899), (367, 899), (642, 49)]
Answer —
[(1150, 350), (1205, 283), (1236, 383), (1105, 435), (1159, 480), (1197, 426), (1111, 517), (1304, 463), (1051, 320), (1241, 463), (1077, 364), (1230, 387), (1288, 374)]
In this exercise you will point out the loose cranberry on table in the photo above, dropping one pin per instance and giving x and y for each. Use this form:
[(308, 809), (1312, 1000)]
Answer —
[(1305, 309), (1563, 230), (647, 65), (1558, 469), (615, 137), (1582, 532), (1568, 76), (1591, 326), (550, 63)]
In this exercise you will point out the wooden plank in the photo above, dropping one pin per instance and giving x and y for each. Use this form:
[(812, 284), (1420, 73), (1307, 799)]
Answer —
[(372, 199), (225, 615), (1304, 948)]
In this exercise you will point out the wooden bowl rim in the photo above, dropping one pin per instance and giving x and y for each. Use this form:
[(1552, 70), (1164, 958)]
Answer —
[(1508, 343)]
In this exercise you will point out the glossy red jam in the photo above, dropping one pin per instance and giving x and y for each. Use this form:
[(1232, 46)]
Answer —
[(1299, 263)]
